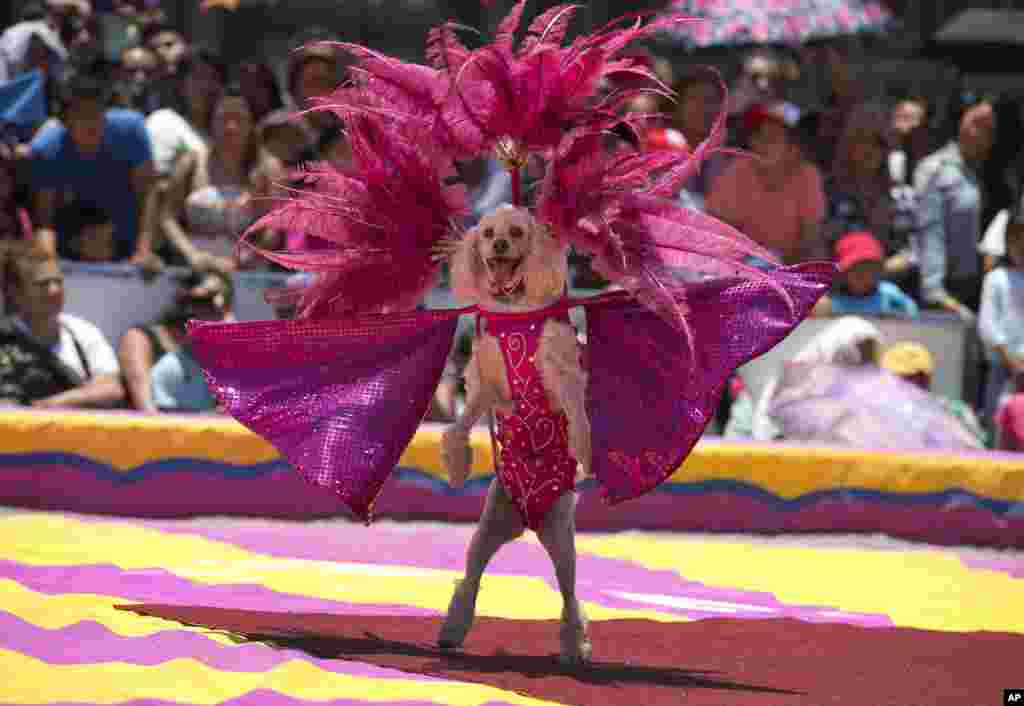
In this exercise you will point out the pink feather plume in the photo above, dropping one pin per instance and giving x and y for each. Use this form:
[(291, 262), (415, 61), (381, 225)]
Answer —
[(542, 89), (613, 205), (382, 216)]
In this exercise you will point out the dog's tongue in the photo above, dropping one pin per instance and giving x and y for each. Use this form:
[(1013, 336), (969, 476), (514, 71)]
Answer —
[(502, 272)]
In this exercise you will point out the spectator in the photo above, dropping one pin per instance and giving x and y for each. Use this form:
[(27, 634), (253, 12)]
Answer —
[(28, 46), (176, 131), (1003, 174), (1010, 424), (87, 233), (285, 300), (858, 188), (284, 137), (177, 380), (134, 83), (50, 359), (14, 221), (849, 341), (763, 79), (914, 363), (860, 258), (910, 127), (698, 99), (911, 130), (333, 146), (103, 158), (82, 33), (168, 45), (1002, 181), (259, 86), (776, 198), (201, 296), (845, 93), (1001, 318), (215, 195), (314, 71), (949, 213)]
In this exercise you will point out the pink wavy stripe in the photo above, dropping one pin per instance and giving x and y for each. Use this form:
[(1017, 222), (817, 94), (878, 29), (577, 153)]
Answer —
[(283, 494), (159, 586), (265, 697), (89, 642), (601, 579), (277, 493), (1013, 566)]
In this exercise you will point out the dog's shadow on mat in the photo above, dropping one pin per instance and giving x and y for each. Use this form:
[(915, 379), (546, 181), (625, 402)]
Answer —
[(518, 655), (533, 666)]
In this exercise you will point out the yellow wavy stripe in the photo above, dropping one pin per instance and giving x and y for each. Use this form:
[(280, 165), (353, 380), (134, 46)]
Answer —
[(927, 589), (55, 540), (53, 612), (786, 472), (188, 681)]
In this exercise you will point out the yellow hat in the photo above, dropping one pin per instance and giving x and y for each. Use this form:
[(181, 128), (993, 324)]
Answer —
[(908, 358)]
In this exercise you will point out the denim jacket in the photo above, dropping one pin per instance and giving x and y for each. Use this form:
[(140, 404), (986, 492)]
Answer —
[(949, 221)]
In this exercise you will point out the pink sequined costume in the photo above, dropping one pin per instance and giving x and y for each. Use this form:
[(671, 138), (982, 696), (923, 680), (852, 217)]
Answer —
[(532, 456)]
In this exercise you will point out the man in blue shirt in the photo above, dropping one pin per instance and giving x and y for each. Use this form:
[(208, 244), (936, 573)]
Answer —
[(99, 157)]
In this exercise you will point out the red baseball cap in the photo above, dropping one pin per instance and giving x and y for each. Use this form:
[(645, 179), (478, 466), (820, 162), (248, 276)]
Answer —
[(785, 114), (662, 138), (857, 247)]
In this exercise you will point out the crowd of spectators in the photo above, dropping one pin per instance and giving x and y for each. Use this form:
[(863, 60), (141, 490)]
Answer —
[(154, 152)]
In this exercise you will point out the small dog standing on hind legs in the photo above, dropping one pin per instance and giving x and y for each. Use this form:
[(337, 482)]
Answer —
[(526, 369)]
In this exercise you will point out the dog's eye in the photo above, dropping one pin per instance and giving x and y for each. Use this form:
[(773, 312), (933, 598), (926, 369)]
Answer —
[(488, 233), (515, 232)]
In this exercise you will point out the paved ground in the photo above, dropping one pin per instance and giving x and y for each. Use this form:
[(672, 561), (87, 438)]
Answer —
[(62, 639)]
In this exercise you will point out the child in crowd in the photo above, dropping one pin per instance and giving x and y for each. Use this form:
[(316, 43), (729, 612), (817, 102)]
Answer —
[(86, 233), (914, 363), (861, 259), (1001, 318)]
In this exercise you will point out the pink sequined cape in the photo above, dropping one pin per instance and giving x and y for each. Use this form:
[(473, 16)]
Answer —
[(342, 398)]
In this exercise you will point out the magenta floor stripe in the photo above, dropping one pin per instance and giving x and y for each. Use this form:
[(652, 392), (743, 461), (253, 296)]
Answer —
[(89, 642), (160, 586), (264, 697)]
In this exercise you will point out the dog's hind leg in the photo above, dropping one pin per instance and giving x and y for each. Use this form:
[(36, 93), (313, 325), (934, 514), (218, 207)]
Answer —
[(558, 535), (499, 524)]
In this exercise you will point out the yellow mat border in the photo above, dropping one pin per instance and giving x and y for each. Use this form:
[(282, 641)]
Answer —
[(125, 442)]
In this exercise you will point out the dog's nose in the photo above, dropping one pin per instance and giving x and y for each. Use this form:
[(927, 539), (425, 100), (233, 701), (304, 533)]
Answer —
[(500, 247)]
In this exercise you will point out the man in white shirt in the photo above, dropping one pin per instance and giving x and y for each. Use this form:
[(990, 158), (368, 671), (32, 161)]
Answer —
[(50, 359)]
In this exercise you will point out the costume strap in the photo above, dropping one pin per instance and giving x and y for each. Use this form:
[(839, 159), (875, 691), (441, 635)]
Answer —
[(561, 306)]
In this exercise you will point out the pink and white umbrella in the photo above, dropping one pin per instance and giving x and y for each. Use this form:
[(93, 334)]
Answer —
[(743, 22)]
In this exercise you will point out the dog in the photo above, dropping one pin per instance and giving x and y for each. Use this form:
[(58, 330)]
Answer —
[(510, 263)]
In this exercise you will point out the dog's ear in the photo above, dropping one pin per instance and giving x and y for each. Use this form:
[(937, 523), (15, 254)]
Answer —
[(467, 270), (547, 265)]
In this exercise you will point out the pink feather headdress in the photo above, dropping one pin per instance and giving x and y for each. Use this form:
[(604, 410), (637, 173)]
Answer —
[(407, 123), (382, 215)]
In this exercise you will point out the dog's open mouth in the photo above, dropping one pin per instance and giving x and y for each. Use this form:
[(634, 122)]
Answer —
[(504, 274)]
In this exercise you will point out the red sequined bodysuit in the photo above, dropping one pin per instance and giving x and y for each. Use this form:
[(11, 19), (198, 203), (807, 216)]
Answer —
[(531, 444)]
